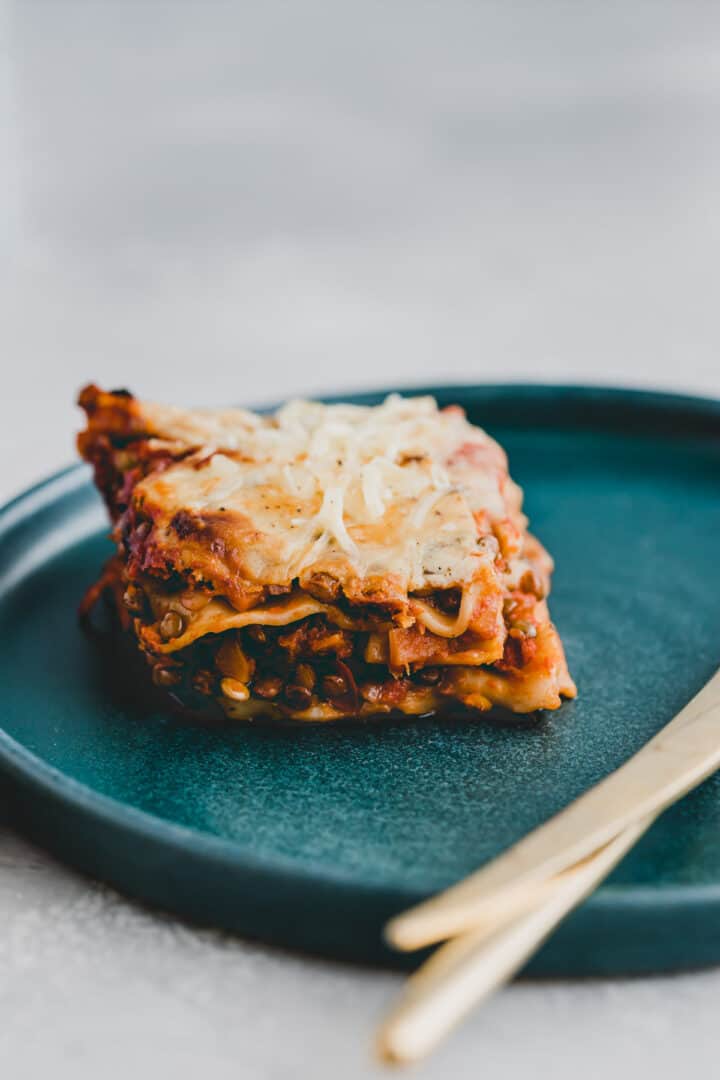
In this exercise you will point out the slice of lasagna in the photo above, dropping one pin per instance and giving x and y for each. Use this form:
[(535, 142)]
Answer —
[(325, 561)]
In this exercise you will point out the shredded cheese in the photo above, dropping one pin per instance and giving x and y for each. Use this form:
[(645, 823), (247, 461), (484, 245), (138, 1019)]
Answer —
[(330, 515), (425, 505), (316, 483)]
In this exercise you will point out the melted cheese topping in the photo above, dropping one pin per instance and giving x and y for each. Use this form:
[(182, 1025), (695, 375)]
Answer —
[(353, 490)]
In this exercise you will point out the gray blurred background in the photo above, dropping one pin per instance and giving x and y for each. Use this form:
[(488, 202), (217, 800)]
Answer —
[(212, 202), (237, 201)]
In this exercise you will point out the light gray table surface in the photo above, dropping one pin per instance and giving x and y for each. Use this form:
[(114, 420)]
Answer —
[(216, 202)]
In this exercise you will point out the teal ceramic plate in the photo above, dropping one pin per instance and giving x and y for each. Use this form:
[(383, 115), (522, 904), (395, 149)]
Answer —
[(312, 837)]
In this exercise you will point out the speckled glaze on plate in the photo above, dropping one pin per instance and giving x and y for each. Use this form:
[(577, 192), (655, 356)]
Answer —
[(311, 837)]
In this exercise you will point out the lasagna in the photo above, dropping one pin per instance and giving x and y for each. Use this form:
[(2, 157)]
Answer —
[(323, 561)]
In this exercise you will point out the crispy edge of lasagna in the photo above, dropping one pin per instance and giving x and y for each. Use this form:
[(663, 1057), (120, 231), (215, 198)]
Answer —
[(320, 646)]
